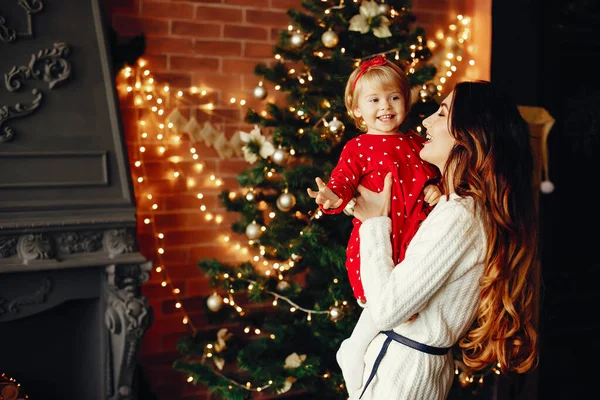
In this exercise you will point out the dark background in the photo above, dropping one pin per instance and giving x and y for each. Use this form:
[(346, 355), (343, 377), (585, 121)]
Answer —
[(544, 53)]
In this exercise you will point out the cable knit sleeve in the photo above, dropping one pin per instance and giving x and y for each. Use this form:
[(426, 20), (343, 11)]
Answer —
[(396, 293)]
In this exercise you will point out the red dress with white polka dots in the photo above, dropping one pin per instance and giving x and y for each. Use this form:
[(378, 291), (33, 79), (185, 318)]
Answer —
[(365, 160)]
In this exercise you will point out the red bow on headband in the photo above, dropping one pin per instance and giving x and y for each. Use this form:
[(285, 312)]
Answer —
[(373, 62)]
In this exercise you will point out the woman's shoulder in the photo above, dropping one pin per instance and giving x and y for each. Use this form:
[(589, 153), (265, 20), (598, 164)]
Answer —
[(454, 208)]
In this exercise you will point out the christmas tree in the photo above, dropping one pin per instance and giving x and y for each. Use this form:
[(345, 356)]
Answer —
[(284, 313)]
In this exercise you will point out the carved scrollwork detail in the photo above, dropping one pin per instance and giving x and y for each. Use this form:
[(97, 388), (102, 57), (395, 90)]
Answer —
[(78, 242), (39, 297), (17, 111), (31, 6), (118, 241), (48, 65), (34, 247), (127, 318), (9, 35), (8, 246)]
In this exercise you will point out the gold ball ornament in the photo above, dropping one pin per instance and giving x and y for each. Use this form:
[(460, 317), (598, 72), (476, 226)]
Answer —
[(330, 38), (335, 314), (214, 302), (297, 39), (253, 231), (260, 92), (286, 202), (280, 156), (10, 392), (282, 286), (336, 126)]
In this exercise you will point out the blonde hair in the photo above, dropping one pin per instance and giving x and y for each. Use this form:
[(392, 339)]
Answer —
[(379, 76)]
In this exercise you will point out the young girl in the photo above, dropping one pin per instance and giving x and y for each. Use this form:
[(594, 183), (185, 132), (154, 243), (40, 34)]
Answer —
[(377, 97)]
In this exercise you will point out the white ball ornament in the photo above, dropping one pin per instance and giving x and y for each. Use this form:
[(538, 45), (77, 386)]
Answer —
[(214, 302), (250, 196), (286, 202), (336, 126), (335, 314), (297, 39), (280, 156), (260, 92), (330, 38), (253, 231), (547, 187)]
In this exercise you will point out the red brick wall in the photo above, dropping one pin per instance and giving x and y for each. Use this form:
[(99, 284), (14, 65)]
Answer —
[(212, 45)]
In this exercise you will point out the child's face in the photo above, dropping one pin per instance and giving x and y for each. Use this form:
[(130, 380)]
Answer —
[(382, 109)]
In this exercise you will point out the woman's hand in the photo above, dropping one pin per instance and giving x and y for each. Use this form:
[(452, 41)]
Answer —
[(370, 204)]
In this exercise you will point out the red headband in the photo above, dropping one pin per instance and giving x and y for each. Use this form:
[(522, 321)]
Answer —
[(373, 62)]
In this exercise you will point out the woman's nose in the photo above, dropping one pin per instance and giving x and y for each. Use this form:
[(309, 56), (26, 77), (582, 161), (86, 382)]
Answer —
[(426, 122)]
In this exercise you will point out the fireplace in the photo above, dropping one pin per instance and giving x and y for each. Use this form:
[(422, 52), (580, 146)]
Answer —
[(72, 315)]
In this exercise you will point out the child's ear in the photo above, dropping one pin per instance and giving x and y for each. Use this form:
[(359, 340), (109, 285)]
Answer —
[(357, 113)]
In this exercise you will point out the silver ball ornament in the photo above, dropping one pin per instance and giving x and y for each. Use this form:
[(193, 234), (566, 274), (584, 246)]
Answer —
[(547, 187), (253, 231), (286, 202), (336, 126), (282, 286), (335, 314), (295, 257), (280, 156), (260, 92), (384, 9), (297, 39), (214, 302), (330, 38), (431, 88), (250, 196)]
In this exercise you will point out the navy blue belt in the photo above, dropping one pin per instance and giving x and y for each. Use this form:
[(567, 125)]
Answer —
[(391, 335)]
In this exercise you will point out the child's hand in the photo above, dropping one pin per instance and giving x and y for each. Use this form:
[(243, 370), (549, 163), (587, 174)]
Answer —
[(325, 196), (432, 194)]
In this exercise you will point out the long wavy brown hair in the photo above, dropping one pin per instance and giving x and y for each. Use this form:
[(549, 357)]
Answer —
[(492, 162)]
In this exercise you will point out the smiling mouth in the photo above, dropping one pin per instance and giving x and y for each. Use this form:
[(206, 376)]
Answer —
[(385, 118)]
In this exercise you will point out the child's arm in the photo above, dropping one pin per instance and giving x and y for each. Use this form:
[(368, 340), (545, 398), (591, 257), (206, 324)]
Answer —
[(344, 179)]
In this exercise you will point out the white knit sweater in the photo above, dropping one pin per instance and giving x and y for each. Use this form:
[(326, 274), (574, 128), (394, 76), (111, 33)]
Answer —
[(439, 280)]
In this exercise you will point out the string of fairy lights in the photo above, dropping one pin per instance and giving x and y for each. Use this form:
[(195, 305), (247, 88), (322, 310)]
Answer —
[(157, 134)]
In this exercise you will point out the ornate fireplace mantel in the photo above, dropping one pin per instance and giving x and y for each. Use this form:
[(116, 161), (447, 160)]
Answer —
[(68, 247)]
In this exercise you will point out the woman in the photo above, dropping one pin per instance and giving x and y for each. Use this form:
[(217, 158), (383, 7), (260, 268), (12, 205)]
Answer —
[(467, 274)]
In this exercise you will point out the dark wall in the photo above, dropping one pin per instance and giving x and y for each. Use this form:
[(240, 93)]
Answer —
[(544, 53)]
